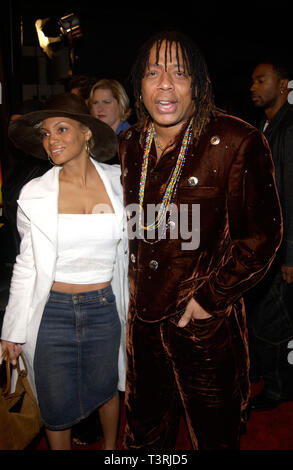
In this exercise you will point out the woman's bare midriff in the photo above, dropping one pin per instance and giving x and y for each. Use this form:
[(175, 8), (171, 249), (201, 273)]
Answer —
[(77, 288)]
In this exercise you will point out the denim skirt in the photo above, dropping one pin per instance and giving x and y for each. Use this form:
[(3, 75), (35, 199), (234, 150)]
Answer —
[(76, 357)]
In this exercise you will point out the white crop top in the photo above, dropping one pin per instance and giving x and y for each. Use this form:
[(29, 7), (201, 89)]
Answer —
[(86, 248)]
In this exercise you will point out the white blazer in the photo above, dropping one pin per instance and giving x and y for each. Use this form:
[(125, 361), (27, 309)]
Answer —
[(34, 269)]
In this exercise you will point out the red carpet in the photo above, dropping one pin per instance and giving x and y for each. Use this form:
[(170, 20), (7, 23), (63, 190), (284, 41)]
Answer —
[(268, 430)]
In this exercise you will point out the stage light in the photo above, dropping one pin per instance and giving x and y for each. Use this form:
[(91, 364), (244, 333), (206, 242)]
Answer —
[(46, 41), (54, 34), (70, 27)]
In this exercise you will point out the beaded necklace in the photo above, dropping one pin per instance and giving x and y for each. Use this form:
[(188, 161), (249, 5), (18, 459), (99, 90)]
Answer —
[(175, 177)]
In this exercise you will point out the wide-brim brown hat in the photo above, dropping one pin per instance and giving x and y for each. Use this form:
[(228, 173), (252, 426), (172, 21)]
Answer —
[(27, 137)]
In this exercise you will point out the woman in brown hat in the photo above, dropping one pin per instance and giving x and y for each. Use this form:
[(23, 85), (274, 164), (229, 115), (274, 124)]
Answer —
[(69, 292)]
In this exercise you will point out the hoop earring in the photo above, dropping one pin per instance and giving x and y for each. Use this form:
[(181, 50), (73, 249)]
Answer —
[(87, 147)]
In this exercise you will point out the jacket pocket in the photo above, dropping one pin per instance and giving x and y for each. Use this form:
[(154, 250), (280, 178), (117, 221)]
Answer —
[(187, 193)]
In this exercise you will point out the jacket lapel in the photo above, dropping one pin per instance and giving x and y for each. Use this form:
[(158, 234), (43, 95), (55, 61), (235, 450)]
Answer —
[(39, 202)]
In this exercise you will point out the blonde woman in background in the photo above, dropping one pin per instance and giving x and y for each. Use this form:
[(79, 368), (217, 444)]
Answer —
[(108, 101)]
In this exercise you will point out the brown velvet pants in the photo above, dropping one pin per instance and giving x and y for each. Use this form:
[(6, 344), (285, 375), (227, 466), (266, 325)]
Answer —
[(202, 369)]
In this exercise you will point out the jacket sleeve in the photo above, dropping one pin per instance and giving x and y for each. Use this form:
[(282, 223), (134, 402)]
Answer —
[(22, 286), (254, 228), (287, 198)]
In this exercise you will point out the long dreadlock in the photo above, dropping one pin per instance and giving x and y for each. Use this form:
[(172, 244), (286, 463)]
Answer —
[(195, 65)]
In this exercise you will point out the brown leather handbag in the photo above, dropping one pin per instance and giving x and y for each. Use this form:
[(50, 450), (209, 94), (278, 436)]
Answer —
[(19, 411)]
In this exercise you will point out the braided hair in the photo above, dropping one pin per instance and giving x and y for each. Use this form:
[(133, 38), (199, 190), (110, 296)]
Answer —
[(195, 65)]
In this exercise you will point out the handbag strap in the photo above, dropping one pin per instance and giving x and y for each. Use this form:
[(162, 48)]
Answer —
[(21, 372)]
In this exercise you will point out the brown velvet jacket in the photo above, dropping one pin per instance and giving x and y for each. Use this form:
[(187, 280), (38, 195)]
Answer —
[(240, 220)]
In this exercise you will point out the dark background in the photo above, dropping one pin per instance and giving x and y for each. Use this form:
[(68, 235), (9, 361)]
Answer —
[(234, 37)]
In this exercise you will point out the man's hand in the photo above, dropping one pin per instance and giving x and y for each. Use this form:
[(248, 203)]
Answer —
[(287, 273), (193, 311)]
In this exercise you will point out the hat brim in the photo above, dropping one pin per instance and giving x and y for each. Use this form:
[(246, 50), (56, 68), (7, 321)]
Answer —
[(25, 136)]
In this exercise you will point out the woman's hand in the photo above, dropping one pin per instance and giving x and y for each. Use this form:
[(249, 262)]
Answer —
[(13, 349), (193, 311)]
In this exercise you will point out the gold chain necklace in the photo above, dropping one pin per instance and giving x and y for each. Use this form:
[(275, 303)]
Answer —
[(158, 143), (174, 180)]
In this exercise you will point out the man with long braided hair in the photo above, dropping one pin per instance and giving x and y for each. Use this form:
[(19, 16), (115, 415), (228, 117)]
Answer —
[(212, 236)]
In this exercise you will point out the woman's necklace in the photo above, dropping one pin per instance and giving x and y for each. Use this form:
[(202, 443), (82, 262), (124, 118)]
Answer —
[(173, 183)]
